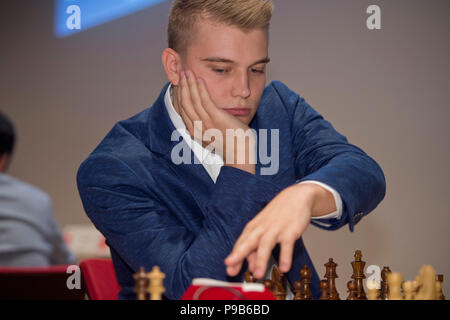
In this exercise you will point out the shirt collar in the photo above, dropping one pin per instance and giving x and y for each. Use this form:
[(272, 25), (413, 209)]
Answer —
[(176, 119)]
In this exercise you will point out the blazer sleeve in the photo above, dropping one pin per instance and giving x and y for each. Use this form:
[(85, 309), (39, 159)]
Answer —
[(323, 154), (145, 233)]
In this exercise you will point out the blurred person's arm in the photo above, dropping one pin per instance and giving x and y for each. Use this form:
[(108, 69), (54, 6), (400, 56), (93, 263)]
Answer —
[(60, 253)]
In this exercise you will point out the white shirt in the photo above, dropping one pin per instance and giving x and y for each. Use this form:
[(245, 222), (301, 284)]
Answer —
[(213, 163)]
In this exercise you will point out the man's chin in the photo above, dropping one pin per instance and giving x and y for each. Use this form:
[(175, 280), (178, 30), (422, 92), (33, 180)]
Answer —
[(244, 119)]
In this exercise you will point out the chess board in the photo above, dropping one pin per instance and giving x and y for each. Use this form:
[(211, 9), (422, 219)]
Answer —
[(390, 286)]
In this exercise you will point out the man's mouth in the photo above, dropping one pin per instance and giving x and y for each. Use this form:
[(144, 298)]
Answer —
[(238, 111)]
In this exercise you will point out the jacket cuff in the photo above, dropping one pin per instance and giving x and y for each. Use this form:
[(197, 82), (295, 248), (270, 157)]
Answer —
[(348, 213)]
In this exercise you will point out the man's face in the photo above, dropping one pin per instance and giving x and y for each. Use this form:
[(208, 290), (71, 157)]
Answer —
[(232, 63)]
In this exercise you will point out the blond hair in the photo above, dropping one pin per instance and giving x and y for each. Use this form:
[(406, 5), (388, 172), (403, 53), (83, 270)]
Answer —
[(244, 14)]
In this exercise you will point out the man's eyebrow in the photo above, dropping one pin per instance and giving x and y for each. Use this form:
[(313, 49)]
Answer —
[(223, 60)]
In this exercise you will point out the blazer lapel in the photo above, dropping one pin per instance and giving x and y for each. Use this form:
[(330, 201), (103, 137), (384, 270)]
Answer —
[(192, 174)]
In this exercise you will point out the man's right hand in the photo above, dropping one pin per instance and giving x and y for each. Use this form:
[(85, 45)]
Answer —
[(195, 104)]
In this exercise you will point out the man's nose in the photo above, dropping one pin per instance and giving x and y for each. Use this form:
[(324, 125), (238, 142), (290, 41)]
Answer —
[(241, 86)]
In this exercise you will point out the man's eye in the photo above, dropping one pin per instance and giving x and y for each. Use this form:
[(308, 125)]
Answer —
[(257, 71), (221, 71)]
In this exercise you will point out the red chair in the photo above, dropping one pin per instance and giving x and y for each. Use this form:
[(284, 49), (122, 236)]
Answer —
[(38, 283), (100, 279)]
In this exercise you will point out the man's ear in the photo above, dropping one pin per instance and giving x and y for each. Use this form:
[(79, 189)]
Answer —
[(171, 61), (4, 161)]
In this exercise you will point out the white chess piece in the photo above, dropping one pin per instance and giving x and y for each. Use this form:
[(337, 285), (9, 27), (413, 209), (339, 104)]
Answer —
[(395, 281), (409, 289), (427, 283), (372, 288), (156, 288)]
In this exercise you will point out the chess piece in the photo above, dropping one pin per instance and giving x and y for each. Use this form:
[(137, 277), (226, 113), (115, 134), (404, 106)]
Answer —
[(156, 288), (426, 281), (331, 275), (305, 274), (298, 286), (351, 286), (268, 284), (324, 290), (409, 289), (248, 276), (372, 288), (439, 293), (395, 280), (384, 292), (278, 289), (358, 276), (302, 287), (142, 282)]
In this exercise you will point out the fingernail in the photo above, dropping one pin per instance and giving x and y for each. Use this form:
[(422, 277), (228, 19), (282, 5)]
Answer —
[(188, 74), (183, 74)]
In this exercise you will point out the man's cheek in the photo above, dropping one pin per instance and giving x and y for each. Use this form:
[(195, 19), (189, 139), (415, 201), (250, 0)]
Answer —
[(208, 83), (215, 91)]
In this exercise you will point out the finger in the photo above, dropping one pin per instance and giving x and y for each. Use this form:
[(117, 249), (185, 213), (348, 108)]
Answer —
[(185, 99), (239, 253), (253, 230), (205, 99), (286, 252), (234, 270), (178, 95), (195, 96), (234, 267), (187, 121), (245, 244), (251, 259), (262, 257)]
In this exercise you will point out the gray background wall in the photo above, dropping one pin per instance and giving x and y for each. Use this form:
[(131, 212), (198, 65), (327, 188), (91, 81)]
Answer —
[(386, 90)]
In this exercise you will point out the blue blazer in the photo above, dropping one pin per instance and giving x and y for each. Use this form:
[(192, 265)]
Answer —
[(154, 212)]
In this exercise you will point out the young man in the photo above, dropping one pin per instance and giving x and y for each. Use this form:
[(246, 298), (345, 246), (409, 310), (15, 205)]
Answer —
[(216, 216), (29, 234)]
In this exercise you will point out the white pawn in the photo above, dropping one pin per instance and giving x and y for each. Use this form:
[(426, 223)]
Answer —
[(156, 288), (395, 281), (372, 289), (409, 289)]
